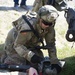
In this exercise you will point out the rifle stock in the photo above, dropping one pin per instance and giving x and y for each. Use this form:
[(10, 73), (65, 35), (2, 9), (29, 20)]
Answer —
[(20, 68)]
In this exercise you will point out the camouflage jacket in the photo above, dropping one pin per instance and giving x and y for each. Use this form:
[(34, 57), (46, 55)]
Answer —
[(21, 38)]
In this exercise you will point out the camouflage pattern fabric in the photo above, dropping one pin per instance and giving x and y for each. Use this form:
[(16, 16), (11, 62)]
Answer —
[(48, 13), (21, 38), (39, 3)]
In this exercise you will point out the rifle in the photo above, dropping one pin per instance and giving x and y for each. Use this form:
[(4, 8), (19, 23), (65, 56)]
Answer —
[(43, 67), (20, 68), (42, 47)]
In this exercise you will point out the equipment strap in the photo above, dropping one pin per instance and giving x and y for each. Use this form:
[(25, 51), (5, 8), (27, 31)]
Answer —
[(34, 31)]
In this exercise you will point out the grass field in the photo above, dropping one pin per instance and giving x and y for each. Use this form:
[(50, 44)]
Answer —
[(64, 50)]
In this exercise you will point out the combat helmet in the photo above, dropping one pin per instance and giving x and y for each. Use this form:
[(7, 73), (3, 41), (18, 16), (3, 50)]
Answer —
[(48, 13)]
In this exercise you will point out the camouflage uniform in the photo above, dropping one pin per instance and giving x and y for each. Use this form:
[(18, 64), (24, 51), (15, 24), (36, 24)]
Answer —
[(39, 3), (21, 38)]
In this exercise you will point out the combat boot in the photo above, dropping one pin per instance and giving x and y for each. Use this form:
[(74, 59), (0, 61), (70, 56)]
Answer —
[(24, 7)]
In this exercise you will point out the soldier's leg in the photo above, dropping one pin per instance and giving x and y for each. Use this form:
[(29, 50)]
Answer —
[(23, 2), (8, 46), (16, 2), (36, 5)]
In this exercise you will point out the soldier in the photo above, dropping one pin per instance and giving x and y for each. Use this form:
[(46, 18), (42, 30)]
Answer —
[(39, 3), (21, 39)]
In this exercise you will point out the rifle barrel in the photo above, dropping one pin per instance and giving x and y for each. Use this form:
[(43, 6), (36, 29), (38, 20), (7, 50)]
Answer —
[(40, 47)]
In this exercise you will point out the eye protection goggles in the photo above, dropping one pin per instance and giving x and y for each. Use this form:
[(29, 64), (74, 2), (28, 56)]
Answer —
[(47, 23)]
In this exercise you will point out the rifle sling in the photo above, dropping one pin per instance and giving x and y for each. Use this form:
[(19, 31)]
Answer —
[(34, 31)]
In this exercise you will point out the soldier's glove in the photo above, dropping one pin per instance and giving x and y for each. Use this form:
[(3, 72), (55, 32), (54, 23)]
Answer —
[(36, 59), (57, 67)]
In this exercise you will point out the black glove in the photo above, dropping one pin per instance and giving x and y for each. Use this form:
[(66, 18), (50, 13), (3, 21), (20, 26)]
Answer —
[(57, 67), (36, 59)]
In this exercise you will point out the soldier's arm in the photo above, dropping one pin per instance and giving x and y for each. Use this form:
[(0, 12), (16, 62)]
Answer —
[(50, 40), (20, 48), (23, 51), (24, 35)]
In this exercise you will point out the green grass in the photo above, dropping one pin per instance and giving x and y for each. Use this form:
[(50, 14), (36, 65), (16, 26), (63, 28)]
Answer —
[(68, 55), (64, 50), (69, 67)]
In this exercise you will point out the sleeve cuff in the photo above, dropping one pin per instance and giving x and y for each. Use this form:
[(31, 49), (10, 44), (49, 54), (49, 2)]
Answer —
[(30, 55)]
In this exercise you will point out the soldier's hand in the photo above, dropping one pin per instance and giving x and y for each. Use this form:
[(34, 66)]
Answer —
[(36, 59), (57, 67)]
